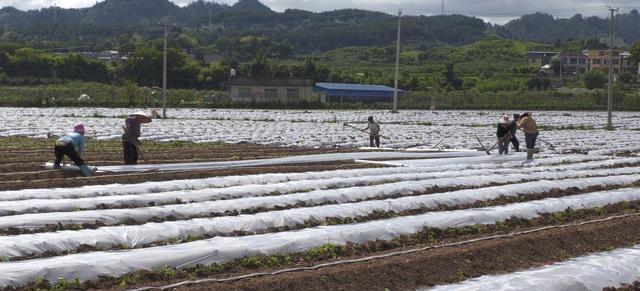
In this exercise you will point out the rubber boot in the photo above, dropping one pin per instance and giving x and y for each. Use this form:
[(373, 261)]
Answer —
[(86, 171), (529, 154)]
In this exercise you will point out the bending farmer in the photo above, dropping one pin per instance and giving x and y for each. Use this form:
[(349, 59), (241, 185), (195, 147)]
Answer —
[(504, 134), (374, 132), (528, 125), (130, 138), (72, 146)]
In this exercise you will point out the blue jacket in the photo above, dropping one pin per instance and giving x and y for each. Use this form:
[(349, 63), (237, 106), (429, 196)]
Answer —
[(76, 139)]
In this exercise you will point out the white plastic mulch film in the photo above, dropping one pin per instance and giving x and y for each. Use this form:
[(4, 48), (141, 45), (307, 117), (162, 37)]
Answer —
[(140, 235), (201, 208), (87, 266), (593, 272), (286, 160), (324, 128)]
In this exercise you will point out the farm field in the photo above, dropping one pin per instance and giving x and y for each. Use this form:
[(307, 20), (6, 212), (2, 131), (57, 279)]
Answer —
[(465, 222)]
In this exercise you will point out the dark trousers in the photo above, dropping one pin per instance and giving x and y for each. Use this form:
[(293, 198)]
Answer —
[(130, 153), (530, 140), (375, 139), (515, 143), (70, 152), (503, 145)]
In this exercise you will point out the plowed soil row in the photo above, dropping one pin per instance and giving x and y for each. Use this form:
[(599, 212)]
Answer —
[(73, 180), (24, 164), (447, 264)]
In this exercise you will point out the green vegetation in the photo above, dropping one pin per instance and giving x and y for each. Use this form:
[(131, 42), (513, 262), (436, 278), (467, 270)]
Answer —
[(594, 80), (447, 62)]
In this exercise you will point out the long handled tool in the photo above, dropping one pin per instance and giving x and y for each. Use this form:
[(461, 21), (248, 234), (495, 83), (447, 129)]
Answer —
[(501, 140), (436, 145), (485, 149), (135, 144), (551, 146), (359, 129)]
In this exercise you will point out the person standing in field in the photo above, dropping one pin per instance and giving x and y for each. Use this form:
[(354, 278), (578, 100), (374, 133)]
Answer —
[(514, 130), (528, 125), (72, 146), (374, 132), (504, 134), (131, 135)]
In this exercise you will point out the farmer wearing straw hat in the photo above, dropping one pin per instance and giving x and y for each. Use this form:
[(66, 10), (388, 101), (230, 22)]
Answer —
[(528, 125), (504, 134), (72, 146), (130, 138)]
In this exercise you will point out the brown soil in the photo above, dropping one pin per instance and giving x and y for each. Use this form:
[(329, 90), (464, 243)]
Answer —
[(635, 286), (25, 166), (437, 265)]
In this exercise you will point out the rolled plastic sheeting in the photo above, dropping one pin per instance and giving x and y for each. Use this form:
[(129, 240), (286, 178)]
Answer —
[(88, 266), (185, 211), (593, 272), (285, 160), (226, 181), (139, 235)]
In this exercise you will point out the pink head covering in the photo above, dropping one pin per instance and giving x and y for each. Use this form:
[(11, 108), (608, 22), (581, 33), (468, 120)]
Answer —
[(79, 128)]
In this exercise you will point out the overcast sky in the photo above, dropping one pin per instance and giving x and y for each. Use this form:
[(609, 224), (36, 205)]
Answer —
[(496, 11)]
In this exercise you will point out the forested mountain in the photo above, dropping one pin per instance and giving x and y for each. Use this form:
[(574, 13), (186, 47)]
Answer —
[(244, 28), (545, 28), (219, 23)]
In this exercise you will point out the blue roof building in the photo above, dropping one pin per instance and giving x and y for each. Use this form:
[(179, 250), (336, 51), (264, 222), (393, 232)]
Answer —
[(339, 92)]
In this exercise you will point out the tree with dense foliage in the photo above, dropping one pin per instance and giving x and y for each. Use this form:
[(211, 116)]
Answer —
[(594, 79), (450, 78)]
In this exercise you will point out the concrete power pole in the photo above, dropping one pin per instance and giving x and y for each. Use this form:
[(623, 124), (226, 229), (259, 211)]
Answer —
[(610, 89), (164, 76), (442, 8), (395, 82)]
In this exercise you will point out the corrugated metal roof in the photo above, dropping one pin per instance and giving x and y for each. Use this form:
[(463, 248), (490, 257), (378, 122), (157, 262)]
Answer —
[(355, 87)]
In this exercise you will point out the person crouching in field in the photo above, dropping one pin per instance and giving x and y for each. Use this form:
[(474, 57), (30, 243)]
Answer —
[(528, 125), (374, 132), (72, 145), (131, 135), (514, 131), (504, 133)]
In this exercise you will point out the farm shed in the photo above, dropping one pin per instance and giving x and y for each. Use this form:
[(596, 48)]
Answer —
[(338, 93), (271, 90)]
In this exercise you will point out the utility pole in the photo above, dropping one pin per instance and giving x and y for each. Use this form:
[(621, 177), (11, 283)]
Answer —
[(164, 76), (395, 82), (610, 91), (442, 9)]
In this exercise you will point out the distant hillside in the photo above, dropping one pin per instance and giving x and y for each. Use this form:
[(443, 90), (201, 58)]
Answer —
[(248, 26), (212, 22), (546, 28)]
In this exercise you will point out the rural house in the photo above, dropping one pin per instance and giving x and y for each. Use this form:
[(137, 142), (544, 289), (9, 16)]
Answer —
[(572, 62), (339, 93), (271, 90), (539, 59), (599, 60)]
